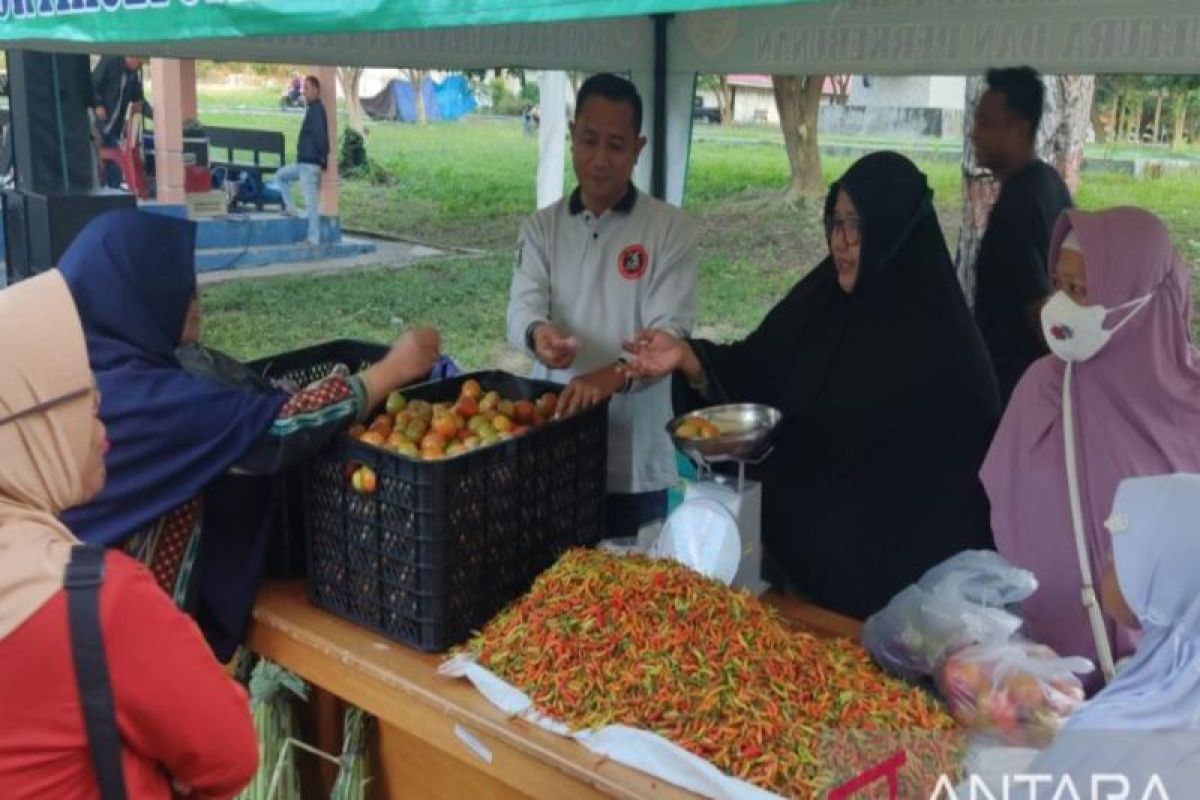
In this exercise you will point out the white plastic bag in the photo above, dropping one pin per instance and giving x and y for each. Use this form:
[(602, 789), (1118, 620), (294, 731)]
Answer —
[(633, 747), (955, 604), (703, 535)]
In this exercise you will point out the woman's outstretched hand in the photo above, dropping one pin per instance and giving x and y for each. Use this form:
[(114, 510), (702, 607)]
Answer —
[(655, 353)]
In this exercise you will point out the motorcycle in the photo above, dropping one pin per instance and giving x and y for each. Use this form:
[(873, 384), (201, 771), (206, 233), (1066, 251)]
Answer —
[(291, 99)]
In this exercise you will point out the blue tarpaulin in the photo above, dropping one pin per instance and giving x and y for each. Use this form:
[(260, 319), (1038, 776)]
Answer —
[(454, 97), (448, 100)]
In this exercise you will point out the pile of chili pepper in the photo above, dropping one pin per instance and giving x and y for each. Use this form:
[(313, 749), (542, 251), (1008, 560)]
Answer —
[(611, 639)]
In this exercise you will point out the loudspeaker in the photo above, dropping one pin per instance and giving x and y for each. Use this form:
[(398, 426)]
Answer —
[(38, 228), (16, 237), (50, 94)]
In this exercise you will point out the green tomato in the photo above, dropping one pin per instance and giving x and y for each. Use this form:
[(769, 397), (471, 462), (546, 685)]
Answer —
[(396, 403)]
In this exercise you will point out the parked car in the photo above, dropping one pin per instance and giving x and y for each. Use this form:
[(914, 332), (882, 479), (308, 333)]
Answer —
[(703, 113)]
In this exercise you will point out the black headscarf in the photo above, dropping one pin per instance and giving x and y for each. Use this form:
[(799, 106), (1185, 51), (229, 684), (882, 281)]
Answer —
[(889, 404)]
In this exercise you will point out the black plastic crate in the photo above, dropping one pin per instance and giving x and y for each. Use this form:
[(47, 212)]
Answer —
[(441, 546), (287, 552), (313, 363)]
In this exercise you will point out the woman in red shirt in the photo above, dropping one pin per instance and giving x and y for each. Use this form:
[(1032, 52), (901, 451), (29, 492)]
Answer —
[(184, 726)]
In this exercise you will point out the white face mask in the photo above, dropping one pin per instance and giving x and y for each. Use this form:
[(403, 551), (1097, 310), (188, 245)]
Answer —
[(1076, 333)]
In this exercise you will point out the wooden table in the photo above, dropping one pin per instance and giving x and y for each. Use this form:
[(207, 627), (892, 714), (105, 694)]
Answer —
[(438, 737)]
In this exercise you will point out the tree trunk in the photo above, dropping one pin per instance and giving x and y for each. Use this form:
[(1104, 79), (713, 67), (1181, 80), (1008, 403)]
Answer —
[(1133, 117), (842, 84), (1100, 123), (417, 78), (1158, 103), (349, 78), (1119, 117), (725, 95), (979, 192), (1065, 124), (1060, 143), (798, 100), (1179, 118)]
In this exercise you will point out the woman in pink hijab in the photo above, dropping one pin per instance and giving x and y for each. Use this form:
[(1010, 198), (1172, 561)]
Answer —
[(1119, 332)]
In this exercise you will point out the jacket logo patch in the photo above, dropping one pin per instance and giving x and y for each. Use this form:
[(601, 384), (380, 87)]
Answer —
[(633, 262)]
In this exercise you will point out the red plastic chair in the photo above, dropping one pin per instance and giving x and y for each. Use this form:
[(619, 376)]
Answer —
[(129, 156)]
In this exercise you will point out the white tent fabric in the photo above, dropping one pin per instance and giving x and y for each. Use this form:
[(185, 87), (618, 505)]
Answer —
[(860, 36), (943, 36), (552, 133), (681, 87)]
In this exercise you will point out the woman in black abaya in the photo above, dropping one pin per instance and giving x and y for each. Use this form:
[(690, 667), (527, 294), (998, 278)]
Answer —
[(889, 401)]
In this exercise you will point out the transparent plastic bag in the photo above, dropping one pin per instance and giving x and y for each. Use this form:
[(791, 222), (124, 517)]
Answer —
[(955, 604), (1012, 692), (981, 576)]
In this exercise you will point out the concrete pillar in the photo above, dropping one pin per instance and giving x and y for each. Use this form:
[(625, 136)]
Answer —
[(329, 179), (167, 75), (187, 73)]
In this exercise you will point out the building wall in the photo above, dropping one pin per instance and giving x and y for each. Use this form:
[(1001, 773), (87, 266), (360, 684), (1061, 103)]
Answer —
[(889, 91), (948, 92), (908, 91), (753, 104), (750, 104), (910, 113), (893, 123)]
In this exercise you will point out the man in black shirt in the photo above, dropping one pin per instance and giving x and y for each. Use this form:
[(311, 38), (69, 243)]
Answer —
[(1012, 278)]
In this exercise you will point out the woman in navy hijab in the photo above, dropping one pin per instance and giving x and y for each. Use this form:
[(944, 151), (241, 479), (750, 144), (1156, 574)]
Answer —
[(172, 434)]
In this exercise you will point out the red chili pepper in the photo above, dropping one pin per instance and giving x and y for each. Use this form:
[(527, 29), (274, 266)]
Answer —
[(603, 639)]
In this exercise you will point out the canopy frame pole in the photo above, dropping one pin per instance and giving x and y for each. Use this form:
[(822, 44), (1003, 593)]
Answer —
[(658, 146)]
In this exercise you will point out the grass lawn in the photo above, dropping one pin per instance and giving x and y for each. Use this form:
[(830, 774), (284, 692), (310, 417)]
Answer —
[(470, 183)]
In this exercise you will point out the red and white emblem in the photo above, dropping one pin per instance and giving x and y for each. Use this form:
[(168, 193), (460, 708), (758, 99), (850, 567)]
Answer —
[(633, 262)]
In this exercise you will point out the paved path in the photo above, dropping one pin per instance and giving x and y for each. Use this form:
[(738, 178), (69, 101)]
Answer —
[(387, 253)]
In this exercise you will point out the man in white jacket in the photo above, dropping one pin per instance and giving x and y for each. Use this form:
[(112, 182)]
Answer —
[(591, 271)]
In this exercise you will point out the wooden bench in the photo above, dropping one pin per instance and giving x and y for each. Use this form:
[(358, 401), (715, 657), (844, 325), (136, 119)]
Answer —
[(227, 147), (438, 738)]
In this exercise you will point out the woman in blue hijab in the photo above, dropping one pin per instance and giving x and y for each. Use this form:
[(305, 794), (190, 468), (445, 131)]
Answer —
[(1140, 736), (1145, 725), (172, 434)]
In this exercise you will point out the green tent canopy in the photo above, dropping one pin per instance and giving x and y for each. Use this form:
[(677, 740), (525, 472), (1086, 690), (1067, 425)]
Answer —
[(131, 22)]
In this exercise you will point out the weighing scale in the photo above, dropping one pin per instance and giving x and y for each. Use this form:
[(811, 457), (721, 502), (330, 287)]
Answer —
[(719, 512)]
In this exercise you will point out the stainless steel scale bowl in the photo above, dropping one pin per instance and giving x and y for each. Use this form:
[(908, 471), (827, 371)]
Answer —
[(747, 433)]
